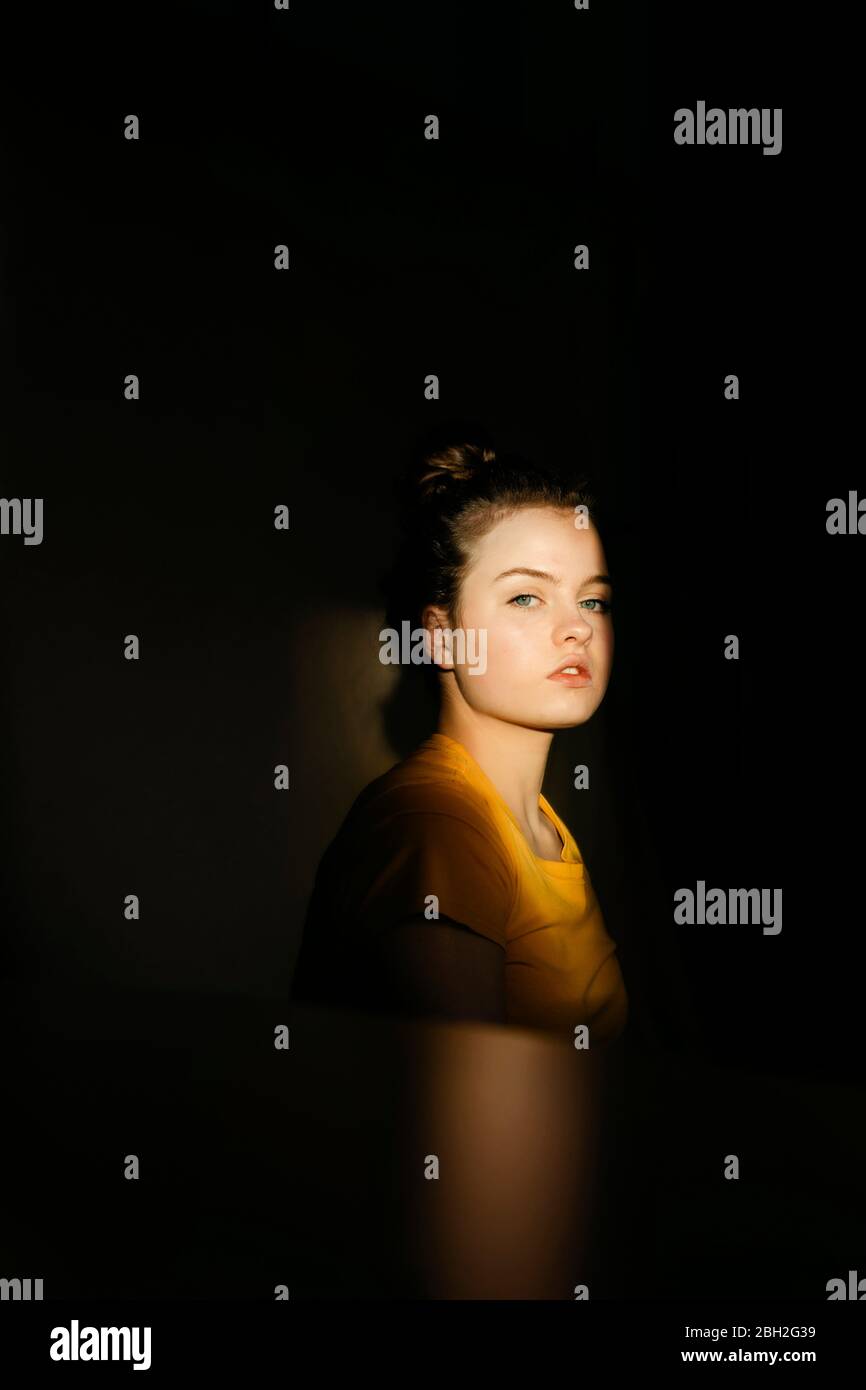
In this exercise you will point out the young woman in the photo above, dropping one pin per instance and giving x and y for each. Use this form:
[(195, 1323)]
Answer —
[(453, 888)]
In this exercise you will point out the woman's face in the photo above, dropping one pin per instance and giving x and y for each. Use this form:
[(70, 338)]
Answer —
[(536, 623)]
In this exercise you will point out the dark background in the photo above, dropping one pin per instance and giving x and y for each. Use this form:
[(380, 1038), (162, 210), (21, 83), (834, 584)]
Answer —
[(258, 647)]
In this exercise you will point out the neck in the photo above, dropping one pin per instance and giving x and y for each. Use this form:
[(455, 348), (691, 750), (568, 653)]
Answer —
[(512, 756)]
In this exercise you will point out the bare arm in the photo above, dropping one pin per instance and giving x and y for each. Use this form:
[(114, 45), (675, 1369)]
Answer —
[(443, 969)]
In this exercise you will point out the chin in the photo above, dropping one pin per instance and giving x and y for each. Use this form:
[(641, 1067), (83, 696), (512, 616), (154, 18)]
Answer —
[(571, 719), (554, 724)]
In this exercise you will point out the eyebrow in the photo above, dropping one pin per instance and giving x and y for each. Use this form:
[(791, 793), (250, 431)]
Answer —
[(552, 578)]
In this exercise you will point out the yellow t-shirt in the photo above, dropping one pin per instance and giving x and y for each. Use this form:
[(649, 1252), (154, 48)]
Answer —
[(436, 824)]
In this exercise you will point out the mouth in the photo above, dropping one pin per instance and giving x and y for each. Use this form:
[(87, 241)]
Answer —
[(574, 675)]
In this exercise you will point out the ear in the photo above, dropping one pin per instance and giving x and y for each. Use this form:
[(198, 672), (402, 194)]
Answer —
[(434, 620)]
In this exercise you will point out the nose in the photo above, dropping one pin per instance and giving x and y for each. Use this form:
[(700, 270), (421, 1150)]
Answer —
[(576, 628)]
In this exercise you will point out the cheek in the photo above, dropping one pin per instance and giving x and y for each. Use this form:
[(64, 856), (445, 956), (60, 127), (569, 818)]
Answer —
[(513, 649), (510, 658)]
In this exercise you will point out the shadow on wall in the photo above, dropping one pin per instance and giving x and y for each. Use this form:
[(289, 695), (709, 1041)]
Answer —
[(357, 736)]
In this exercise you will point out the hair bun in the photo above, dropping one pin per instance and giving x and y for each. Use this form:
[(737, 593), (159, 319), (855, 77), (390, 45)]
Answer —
[(455, 464)]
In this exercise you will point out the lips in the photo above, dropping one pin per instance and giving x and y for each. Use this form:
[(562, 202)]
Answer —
[(575, 674), (574, 667)]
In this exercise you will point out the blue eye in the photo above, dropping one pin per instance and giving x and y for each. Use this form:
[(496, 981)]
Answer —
[(606, 605)]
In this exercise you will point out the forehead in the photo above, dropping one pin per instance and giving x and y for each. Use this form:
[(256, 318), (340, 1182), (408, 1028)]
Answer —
[(540, 538)]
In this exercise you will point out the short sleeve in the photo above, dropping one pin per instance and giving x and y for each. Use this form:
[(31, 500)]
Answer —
[(405, 859)]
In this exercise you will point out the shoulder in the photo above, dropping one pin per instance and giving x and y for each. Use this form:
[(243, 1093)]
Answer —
[(407, 842), (420, 799)]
